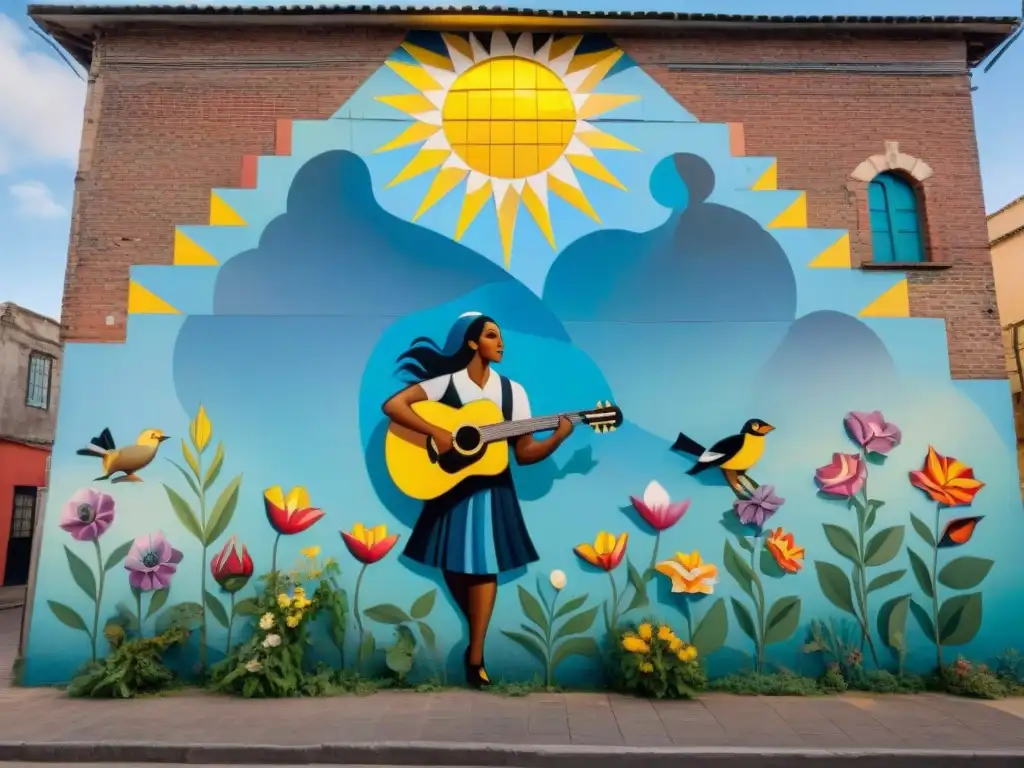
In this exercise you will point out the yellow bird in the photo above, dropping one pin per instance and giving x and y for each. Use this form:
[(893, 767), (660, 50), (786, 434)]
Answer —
[(127, 460), (734, 455)]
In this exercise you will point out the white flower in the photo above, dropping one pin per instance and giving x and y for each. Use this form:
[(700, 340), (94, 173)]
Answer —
[(558, 579), (266, 621), (271, 641), (253, 665)]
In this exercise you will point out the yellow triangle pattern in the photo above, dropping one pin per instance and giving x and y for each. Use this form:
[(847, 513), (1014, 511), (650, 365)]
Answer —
[(417, 77), (599, 103), (573, 196), (591, 166), (444, 182), (222, 214), (472, 204), (835, 256), (769, 181), (459, 43), (895, 302), (187, 253), (563, 45), (795, 216), (142, 301), (431, 59), (540, 214), (507, 212)]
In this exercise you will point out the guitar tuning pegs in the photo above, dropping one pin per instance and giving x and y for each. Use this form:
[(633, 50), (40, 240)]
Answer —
[(611, 429), (607, 403), (599, 404)]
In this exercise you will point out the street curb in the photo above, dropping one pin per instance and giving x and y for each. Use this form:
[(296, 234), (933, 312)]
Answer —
[(487, 755)]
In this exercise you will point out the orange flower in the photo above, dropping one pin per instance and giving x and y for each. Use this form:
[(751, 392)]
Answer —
[(606, 553), (689, 574), (290, 514), (785, 551), (947, 480), (368, 545)]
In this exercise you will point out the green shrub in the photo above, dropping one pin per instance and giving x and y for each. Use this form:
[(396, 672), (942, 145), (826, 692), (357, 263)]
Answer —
[(649, 660), (132, 668)]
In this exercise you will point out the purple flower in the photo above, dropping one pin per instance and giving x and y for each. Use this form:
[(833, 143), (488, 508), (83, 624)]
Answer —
[(872, 432), (151, 562), (762, 504), (88, 514)]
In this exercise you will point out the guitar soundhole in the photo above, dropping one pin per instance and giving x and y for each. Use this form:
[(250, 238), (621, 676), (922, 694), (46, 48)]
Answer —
[(467, 439)]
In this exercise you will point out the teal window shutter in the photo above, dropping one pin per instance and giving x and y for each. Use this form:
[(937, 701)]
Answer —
[(895, 220)]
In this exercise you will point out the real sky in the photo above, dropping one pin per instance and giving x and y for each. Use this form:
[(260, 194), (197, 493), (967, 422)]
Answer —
[(41, 103)]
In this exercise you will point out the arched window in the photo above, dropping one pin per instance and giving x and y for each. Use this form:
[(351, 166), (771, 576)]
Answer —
[(896, 231)]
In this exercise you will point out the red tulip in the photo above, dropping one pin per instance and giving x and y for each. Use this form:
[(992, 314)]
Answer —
[(292, 514), (232, 567), (368, 545)]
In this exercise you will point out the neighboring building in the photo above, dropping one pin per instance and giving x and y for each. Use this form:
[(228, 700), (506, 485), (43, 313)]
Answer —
[(709, 220), (30, 353), (1006, 239)]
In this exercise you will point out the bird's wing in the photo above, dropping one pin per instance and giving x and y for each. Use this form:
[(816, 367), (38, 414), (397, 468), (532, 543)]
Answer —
[(133, 457), (724, 448)]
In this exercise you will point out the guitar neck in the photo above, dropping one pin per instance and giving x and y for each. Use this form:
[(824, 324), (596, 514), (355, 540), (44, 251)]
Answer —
[(510, 429)]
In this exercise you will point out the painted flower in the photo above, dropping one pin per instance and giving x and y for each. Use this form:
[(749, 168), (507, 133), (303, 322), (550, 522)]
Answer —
[(634, 644), (758, 509), (88, 514), (783, 548), (310, 553), (151, 562), (368, 545), (959, 531), (266, 621), (872, 432), (232, 567), (558, 580), (290, 514), (689, 653), (657, 509), (844, 476), (689, 574), (272, 640), (947, 480), (646, 632), (606, 552)]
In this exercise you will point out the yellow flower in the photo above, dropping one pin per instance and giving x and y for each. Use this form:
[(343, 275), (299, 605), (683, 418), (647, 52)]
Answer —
[(675, 645), (299, 591), (316, 573), (300, 604), (266, 621), (689, 653), (689, 574), (635, 644), (647, 667), (310, 553), (665, 633), (644, 630), (293, 620), (283, 600)]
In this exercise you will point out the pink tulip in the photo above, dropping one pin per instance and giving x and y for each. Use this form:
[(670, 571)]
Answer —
[(657, 509), (844, 476)]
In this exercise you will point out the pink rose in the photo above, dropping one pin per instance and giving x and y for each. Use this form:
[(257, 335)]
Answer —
[(872, 432), (844, 476)]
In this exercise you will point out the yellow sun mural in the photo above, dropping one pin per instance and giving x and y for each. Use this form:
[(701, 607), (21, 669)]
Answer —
[(509, 121)]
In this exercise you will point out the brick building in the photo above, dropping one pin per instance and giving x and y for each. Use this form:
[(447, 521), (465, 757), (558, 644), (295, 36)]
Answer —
[(702, 218)]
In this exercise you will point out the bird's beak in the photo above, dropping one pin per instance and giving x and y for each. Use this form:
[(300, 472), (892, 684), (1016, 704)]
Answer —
[(766, 428), (163, 437)]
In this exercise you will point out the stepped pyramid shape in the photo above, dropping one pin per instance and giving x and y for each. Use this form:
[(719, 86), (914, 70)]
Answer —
[(627, 256)]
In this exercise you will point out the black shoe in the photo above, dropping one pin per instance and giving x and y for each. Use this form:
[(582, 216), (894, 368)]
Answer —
[(476, 675)]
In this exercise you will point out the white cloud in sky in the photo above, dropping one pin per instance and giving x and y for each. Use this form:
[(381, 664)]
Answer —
[(41, 103), (34, 199)]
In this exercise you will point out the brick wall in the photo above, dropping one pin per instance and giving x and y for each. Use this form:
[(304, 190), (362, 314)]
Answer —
[(159, 137)]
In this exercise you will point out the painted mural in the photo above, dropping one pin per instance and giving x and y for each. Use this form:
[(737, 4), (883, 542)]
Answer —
[(508, 353)]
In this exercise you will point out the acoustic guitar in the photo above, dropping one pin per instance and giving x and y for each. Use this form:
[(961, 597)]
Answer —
[(479, 443)]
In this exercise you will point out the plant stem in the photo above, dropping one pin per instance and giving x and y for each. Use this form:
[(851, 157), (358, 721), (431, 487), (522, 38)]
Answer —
[(548, 670), (865, 631), (231, 624), (759, 605), (138, 609), (689, 621), (935, 589), (355, 608), (654, 555), (202, 578), (99, 596), (613, 618), (273, 561)]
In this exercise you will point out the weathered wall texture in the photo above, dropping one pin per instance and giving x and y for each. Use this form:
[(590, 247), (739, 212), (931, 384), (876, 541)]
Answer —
[(164, 128), (23, 332)]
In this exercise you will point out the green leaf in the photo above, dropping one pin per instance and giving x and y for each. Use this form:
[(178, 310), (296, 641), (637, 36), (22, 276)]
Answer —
[(783, 619), (247, 607), (921, 572), (884, 580), (157, 600), (873, 506), (842, 541), (424, 605), (398, 660), (578, 624), (924, 620), (68, 616), (744, 541), (739, 570), (184, 513), (216, 608), (922, 530), (386, 613), (884, 546), (960, 619), (965, 572), (223, 511), (532, 609), (744, 619), (639, 588), (835, 585), (897, 624), (575, 646), (429, 638), (711, 631), (532, 632), (215, 466), (190, 460), (118, 555), (187, 476), (82, 574), (368, 647), (570, 606), (188, 616), (528, 644)]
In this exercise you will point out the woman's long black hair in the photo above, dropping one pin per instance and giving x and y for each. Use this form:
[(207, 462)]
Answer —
[(425, 359)]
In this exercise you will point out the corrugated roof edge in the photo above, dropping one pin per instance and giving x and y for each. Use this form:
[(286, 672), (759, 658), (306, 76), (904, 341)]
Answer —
[(74, 26)]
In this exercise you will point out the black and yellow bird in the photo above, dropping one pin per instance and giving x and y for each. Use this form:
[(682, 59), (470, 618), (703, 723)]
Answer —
[(127, 460), (734, 455)]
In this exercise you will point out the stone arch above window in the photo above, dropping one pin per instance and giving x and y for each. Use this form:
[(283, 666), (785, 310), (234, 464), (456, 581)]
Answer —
[(892, 160)]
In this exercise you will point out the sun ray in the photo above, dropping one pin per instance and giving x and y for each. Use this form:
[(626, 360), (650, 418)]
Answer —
[(413, 104), (563, 45), (507, 212), (479, 52), (587, 60), (597, 104), (415, 76), (591, 166), (472, 204), (414, 134), (598, 72), (424, 160), (423, 56), (538, 209), (444, 182), (459, 44), (595, 138), (573, 196)]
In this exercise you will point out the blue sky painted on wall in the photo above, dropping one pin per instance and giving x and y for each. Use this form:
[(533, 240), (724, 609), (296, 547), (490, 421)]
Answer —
[(41, 104)]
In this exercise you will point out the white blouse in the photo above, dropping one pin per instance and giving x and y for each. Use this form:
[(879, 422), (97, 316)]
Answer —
[(469, 392)]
